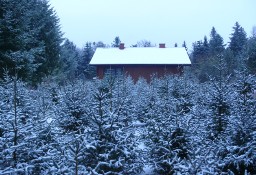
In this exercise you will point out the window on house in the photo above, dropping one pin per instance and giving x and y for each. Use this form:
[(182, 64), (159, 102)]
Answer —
[(113, 71)]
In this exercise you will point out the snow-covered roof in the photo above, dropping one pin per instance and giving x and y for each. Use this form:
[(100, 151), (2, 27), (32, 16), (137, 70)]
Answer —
[(140, 55)]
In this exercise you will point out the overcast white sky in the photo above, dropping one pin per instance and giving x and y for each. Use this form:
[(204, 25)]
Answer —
[(159, 21)]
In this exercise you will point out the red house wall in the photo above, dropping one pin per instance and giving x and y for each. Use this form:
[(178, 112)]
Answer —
[(145, 71)]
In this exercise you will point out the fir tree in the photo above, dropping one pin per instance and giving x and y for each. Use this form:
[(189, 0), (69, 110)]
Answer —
[(69, 60), (219, 103), (84, 68), (251, 51), (31, 38), (237, 40), (216, 45), (239, 157)]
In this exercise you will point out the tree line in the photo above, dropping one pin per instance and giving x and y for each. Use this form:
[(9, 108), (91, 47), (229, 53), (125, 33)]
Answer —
[(239, 53)]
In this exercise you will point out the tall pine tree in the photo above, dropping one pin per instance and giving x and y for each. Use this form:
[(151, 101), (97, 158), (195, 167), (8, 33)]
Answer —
[(216, 43), (238, 39), (30, 39)]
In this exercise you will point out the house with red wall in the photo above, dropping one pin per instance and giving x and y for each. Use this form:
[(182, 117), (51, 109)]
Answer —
[(140, 61)]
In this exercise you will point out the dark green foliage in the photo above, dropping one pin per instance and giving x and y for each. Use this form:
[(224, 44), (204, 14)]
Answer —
[(200, 52), (238, 40), (219, 101), (30, 39), (231, 61), (201, 59), (166, 107), (205, 54), (71, 109), (84, 68), (241, 159), (216, 44), (69, 60), (251, 49), (112, 150), (240, 154), (169, 148), (178, 143)]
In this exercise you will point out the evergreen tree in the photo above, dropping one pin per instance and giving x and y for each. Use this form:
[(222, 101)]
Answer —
[(239, 156), (206, 45), (199, 53), (166, 118), (113, 150), (71, 108), (231, 61), (251, 51), (69, 60), (219, 101), (201, 59), (24, 131), (84, 68), (216, 45), (116, 42), (237, 40), (31, 38)]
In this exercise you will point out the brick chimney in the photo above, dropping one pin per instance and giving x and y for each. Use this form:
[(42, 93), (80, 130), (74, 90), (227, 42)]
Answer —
[(162, 45), (121, 46)]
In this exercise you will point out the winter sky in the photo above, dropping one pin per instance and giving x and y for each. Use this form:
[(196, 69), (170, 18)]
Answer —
[(159, 21)]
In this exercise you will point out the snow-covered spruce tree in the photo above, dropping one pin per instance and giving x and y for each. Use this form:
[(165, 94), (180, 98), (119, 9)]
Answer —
[(123, 101), (167, 137), (239, 156), (251, 51), (141, 99), (69, 59), (202, 157), (113, 149), (30, 38), (71, 102), (23, 148), (11, 122), (68, 155), (238, 40), (84, 69), (220, 100)]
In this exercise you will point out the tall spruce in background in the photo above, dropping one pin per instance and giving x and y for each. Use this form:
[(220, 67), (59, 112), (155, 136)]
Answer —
[(215, 43), (30, 39), (69, 60), (251, 51), (87, 53), (237, 40), (51, 35)]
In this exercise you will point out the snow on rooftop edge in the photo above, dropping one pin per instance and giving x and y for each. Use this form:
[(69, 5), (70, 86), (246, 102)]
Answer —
[(140, 55)]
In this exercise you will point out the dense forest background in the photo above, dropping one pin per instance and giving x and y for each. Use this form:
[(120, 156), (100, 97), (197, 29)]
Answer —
[(56, 118)]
